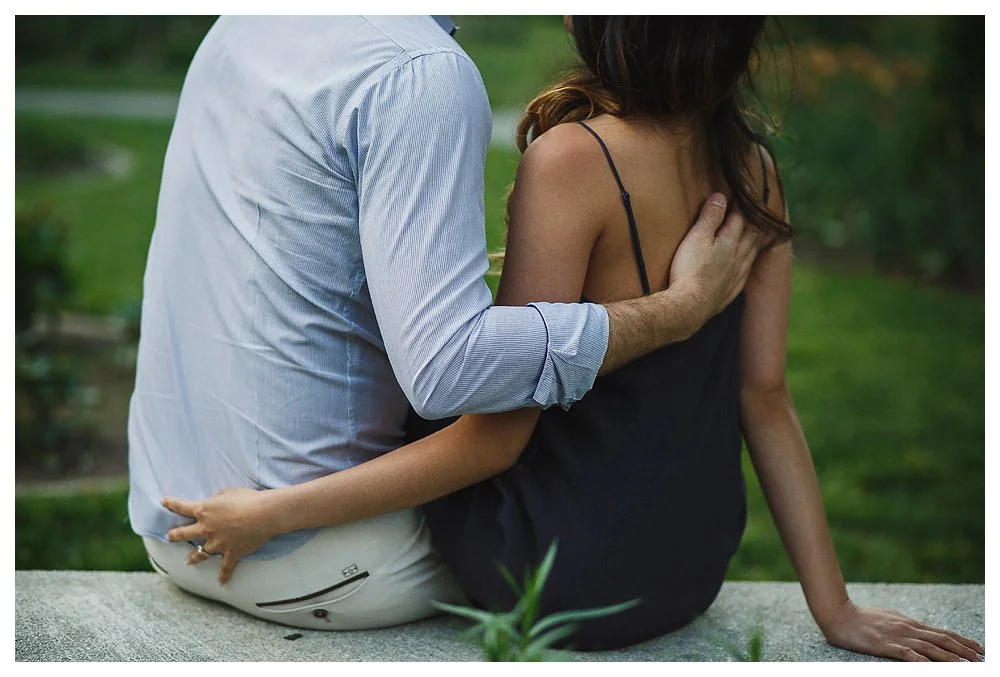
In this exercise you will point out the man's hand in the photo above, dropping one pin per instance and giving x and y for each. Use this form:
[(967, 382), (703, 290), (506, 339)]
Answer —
[(233, 524), (709, 269), (712, 263)]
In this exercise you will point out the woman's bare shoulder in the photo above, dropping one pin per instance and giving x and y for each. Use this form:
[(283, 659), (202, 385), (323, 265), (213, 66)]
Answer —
[(565, 165), (567, 147)]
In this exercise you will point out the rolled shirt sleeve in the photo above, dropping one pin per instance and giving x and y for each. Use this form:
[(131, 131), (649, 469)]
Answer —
[(422, 131)]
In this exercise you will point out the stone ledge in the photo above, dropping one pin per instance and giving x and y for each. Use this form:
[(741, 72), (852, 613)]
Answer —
[(118, 616)]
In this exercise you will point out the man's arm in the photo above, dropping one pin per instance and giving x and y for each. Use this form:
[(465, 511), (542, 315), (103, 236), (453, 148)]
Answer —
[(422, 134), (709, 269)]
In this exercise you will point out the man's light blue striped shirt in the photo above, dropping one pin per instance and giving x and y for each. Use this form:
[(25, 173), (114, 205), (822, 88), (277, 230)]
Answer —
[(318, 260)]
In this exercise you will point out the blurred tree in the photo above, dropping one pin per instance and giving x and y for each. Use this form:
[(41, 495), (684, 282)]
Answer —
[(153, 42), (41, 268), (883, 145), (946, 157), (52, 413)]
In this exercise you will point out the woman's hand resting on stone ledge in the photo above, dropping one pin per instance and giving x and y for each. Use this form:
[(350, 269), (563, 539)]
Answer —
[(890, 634)]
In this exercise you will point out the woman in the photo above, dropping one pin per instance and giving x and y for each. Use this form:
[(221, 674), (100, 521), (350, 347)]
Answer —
[(640, 482)]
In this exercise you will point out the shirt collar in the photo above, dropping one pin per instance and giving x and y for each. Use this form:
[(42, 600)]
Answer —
[(446, 24)]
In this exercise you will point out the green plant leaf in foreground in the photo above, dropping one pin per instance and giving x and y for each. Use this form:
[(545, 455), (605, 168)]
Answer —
[(580, 615), (755, 644), (754, 651), (498, 633)]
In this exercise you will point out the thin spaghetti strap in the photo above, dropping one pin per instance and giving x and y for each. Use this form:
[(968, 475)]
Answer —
[(627, 201), (763, 170)]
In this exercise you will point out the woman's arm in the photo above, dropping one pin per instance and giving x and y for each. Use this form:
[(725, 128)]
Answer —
[(559, 203), (775, 440), (784, 466), (236, 522)]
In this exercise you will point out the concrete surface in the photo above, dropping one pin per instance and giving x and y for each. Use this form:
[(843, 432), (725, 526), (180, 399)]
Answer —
[(117, 616)]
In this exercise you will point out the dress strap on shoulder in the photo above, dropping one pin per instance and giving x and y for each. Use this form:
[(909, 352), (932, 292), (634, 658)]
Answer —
[(627, 201)]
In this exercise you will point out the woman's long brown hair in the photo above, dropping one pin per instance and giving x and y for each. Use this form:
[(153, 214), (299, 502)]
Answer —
[(668, 67)]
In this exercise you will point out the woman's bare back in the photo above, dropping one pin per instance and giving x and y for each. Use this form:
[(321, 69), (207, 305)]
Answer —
[(668, 180)]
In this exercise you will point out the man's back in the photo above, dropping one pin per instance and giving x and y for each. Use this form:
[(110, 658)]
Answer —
[(261, 363)]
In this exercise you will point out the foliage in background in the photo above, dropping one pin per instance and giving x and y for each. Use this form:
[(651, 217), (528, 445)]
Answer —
[(41, 148), (78, 531), (517, 55), (41, 244), (144, 42), (519, 634), (882, 147), (881, 143), (52, 416), (112, 216)]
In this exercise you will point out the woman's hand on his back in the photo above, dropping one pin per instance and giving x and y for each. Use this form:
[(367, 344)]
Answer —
[(890, 634), (233, 524)]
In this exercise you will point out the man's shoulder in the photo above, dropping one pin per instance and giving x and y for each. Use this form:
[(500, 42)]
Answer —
[(415, 35), (322, 47)]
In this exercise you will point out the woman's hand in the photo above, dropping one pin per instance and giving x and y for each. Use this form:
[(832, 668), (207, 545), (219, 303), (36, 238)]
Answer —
[(233, 524), (887, 633)]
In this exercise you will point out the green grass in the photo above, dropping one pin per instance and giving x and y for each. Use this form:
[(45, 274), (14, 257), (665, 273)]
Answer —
[(112, 219), (82, 531), (888, 379), (42, 148), (96, 78)]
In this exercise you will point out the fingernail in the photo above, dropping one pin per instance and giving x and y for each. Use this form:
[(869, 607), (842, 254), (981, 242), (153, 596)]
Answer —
[(718, 199), (963, 660)]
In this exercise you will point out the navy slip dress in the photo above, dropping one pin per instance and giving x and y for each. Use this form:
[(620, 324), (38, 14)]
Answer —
[(639, 482)]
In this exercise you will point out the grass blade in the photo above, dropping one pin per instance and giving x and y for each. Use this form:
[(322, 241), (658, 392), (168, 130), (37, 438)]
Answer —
[(545, 569), (509, 578), (551, 637), (580, 615), (465, 612)]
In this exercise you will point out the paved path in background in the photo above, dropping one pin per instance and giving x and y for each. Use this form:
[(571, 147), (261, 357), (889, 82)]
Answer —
[(157, 106)]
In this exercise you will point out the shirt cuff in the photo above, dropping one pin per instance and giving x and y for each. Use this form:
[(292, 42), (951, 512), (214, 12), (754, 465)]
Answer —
[(575, 347)]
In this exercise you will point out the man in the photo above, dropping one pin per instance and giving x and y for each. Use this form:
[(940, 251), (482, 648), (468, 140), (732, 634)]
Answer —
[(317, 264)]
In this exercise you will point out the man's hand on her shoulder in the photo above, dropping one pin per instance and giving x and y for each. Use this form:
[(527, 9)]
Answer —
[(710, 268), (714, 260)]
